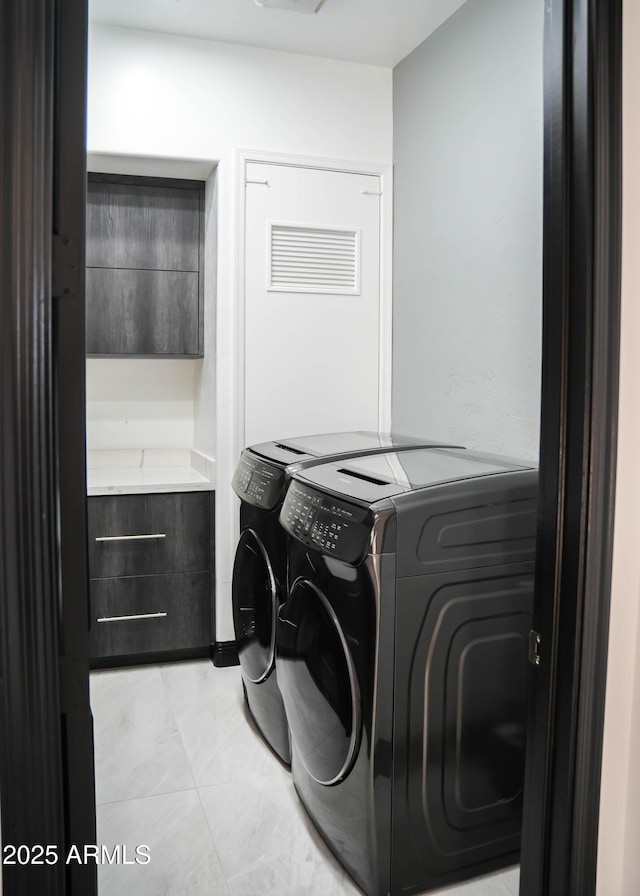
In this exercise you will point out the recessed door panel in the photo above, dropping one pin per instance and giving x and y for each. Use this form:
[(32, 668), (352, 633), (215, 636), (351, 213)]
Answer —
[(460, 698)]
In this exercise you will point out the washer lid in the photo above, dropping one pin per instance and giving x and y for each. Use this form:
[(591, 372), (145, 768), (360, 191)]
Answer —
[(303, 448), (326, 444), (372, 478)]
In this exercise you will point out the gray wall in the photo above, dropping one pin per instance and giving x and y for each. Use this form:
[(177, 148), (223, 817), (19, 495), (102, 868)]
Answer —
[(468, 229)]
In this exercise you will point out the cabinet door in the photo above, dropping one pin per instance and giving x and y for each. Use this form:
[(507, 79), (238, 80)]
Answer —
[(144, 255), (133, 312), (143, 227)]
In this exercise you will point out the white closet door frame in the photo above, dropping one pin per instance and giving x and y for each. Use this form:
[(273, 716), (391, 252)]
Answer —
[(385, 173)]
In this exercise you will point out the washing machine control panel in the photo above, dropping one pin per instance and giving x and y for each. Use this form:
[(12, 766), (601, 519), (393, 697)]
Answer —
[(325, 523), (258, 482)]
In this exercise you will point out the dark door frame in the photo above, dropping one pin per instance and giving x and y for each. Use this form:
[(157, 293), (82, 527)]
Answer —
[(581, 335), (46, 771), (46, 730), (31, 764), (68, 225)]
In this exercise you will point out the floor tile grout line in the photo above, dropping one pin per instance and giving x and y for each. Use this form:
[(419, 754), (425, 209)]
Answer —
[(507, 886), (213, 841), (155, 667), (197, 789), (199, 784), (178, 729), (146, 796), (275, 774), (203, 786), (184, 790)]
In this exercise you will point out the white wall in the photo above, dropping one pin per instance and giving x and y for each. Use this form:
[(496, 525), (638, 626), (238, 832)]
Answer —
[(468, 152), (161, 95), (141, 403), (618, 872)]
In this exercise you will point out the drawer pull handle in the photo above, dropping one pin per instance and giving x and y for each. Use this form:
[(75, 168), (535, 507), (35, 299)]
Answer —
[(137, 616), (131, 537)]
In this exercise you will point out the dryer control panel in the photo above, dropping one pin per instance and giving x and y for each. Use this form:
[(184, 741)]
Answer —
[(326, 523), (258, 482)]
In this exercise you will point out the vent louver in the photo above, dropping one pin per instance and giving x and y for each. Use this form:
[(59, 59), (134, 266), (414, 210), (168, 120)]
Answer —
[(314, 260)]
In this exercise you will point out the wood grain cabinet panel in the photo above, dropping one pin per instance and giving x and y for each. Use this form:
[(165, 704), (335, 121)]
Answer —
[(149, 614), (136, 226), (151, 564), (142, 312), (145, 290), (136, 535)]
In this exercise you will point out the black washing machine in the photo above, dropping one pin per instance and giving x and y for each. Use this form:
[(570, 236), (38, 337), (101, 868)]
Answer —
[(402, 655), (260, 568)]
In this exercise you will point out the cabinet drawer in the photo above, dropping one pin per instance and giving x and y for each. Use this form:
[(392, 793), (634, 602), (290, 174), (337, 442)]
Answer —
[(173, 614), (135, 535)]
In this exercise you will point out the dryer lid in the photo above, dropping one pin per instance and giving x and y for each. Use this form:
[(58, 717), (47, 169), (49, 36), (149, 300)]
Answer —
[(372, 478)]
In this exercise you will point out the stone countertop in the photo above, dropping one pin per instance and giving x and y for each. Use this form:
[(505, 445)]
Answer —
[(148, 470)]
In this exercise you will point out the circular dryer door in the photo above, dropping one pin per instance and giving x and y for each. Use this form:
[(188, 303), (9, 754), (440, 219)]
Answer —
[(317, 679), (255, 604)]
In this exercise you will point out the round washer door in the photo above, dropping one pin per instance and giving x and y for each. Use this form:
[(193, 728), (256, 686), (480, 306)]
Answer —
[(317, 679), (255, 605)]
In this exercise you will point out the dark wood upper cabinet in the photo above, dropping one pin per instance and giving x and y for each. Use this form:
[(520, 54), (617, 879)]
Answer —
[(144, 267), (139, 226)]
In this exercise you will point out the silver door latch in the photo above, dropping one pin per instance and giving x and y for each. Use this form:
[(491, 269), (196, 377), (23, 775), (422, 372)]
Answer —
[(534, 645)]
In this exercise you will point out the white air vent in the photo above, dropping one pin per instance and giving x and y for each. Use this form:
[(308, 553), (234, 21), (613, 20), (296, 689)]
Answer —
[(314, 259), (308, 6)]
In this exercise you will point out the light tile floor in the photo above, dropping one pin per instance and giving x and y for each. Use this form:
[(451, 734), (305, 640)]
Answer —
[(179, 768)]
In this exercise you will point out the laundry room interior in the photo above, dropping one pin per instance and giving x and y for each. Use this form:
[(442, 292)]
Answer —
[(314, 330)]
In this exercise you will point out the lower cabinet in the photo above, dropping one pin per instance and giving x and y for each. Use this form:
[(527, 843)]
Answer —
[(151, 564)]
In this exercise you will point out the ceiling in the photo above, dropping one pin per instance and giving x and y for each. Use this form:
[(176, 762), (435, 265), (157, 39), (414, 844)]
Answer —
[(374, 32)]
